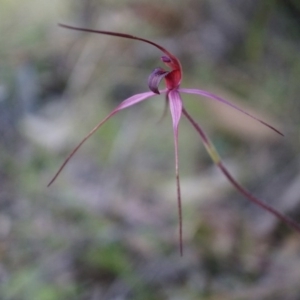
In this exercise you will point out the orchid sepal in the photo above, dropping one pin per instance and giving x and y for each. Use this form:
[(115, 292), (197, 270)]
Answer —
[(175, 104), (172, 91)]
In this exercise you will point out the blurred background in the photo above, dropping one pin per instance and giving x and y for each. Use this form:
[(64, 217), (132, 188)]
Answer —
[(108, 227)]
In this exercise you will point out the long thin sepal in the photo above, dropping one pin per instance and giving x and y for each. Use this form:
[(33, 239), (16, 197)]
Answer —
[(175, 104), (224, 101), (260, 203), (174, 59), (126, 103), (216, 158)]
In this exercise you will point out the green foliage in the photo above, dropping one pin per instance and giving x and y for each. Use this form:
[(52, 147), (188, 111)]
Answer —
[(111, 258)]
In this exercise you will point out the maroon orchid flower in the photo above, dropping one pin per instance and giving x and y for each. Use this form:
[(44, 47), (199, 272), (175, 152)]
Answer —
[(172, 92)]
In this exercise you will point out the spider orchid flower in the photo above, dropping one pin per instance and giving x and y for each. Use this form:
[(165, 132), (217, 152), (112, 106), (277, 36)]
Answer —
[(172, 78)]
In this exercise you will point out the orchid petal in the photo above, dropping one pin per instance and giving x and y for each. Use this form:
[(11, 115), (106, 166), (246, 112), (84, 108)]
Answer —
[(155, 78), (215, 97), (175, 103), (126, 103), (216, 158)]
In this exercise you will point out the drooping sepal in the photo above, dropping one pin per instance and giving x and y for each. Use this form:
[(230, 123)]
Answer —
[(155, 78), (217, 160), (175, 103)]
